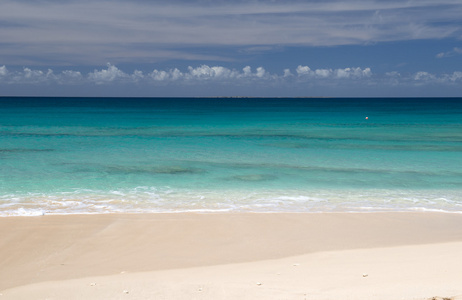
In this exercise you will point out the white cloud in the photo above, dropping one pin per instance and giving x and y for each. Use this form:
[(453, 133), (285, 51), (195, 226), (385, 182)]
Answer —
[(453, 52), (287, 73), (159, 75), (247, 71), (206, 73), (171, 75), (353, 73), (3, 71), (69, 77), (303, 70), (216, 72), (30, 74), (107, 75), (137, 75), (424, 76), (456, 76), (393, 74), (35, 76), (176, 74), (72, 74), (260, 72), (337, 73), (343, 73), (323, 73)]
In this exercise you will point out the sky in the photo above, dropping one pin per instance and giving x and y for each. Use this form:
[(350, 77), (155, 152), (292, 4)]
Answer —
[(177, 48)]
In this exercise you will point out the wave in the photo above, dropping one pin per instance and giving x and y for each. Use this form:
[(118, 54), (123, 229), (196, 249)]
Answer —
[(167, 200)]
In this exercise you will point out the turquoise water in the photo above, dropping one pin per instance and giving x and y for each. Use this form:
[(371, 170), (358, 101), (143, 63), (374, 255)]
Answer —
[(103, 155)]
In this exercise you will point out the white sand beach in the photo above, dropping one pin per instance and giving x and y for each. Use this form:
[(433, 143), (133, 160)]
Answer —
[(230, 256)]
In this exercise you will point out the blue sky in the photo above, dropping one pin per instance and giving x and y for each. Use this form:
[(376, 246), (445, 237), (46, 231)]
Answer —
[(346, 48)]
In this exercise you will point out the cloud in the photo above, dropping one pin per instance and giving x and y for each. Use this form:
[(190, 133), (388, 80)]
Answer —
[(3, 70), (345, 73), (206, 72), (287, 73), (91, 31), (110, 74), (30, 76), (453, 52), (323, 73), (353, 73), (261, 72), (247, 71), (217, 80), (303, 70), (424, 76), (223, 76), (73, 75), (164, 75), (393, 74), (456, 76), (39, 77)]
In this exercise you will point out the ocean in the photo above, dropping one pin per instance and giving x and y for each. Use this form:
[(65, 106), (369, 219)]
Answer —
[(167, 155)]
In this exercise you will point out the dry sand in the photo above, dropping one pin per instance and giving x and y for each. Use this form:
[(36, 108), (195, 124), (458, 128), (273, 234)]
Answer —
[(231, 256)]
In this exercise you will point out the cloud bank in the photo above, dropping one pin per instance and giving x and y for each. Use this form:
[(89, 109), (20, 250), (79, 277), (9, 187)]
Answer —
[(202, 73), (205, 74)]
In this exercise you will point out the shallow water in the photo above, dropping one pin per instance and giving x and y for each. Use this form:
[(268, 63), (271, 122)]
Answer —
[(101, 155)]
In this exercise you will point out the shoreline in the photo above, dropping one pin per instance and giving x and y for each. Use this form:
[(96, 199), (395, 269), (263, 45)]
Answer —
[(38, 252), (244, 201), (233, 212)]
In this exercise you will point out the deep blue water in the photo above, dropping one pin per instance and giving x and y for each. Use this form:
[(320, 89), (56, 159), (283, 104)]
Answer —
[(99, 155)]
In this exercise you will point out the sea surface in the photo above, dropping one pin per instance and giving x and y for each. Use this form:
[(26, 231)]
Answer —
[(135, 155)]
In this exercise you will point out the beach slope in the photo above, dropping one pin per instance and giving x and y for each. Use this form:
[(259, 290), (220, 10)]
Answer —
[(229, 256)]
